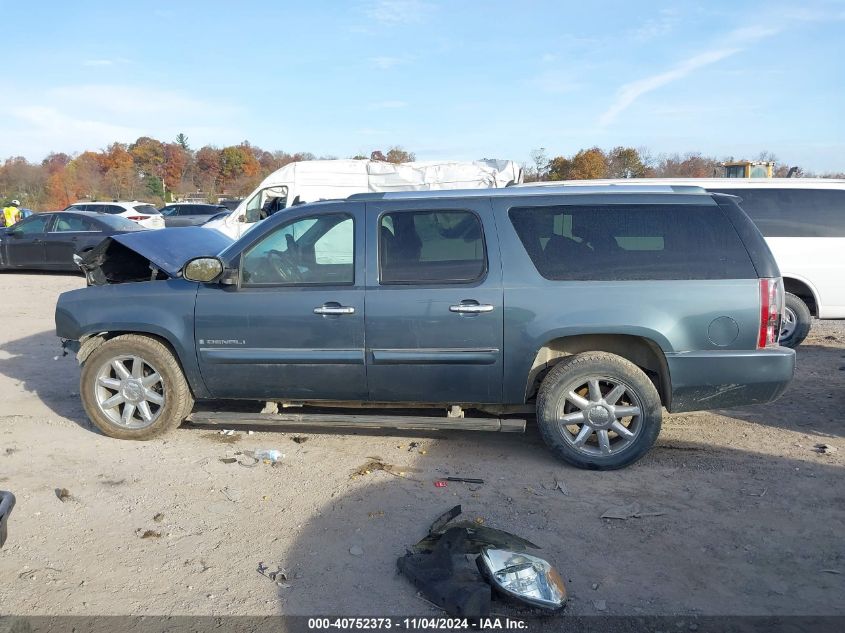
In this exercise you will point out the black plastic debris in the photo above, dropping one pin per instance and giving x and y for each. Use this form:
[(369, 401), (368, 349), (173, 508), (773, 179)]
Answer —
[(444, 566)]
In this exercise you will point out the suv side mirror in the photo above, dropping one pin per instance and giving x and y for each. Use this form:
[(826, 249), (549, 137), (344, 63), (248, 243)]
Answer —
[(203, 269)]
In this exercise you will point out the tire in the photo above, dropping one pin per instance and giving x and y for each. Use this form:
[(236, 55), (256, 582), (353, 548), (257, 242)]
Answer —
[(621, 384), (156, 380), (796, 321)]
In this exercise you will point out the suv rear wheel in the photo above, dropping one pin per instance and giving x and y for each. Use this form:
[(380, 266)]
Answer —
[(132, 388), (796, 321), (599, 411)]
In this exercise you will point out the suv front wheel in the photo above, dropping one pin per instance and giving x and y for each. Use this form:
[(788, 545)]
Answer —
[(132, 388), (599, 411)]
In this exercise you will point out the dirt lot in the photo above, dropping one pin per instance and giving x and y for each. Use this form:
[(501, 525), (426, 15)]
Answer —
[(752, 517)]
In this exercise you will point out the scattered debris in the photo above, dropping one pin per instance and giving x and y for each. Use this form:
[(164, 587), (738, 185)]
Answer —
[(457, 566), (479, 520), (223, 439), (356, 550), (227, 432), (228, 460), (376, 514), (831, 571), (440, 483), (825, 449), (113, 482), (63, 495), (465, 480), (300, 439), (278, 576), (11, 451), (762, 493), (158, 518), (250, 432), (269, 455), (376, 464), (556, 484), (600, 605), (413, 445), (830, 337), (595, 586), (631, 511), (147, 533)]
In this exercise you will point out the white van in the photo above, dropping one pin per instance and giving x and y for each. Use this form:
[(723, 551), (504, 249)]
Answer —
[(803, 221), (313, 180)]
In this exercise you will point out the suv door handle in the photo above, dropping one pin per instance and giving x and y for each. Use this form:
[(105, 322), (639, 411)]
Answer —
[(334, 309), (465, 307)]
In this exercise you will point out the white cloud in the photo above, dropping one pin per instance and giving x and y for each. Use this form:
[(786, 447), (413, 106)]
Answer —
[(386, 62), (89, 117), (396, 12), (388, 105), (735, 42)]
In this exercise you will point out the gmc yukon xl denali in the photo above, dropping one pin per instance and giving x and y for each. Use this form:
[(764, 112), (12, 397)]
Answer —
[(592, 308)]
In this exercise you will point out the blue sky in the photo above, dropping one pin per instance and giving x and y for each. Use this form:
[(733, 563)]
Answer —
[(445, 79)]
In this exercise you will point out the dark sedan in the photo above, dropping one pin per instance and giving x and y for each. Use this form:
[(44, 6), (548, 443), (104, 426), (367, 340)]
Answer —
[(48, 241), (191, 214)]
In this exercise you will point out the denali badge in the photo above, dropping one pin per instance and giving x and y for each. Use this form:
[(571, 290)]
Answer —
[(221, 341)]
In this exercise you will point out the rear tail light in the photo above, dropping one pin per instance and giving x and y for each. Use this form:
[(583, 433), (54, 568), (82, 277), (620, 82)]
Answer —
[(771, 308), (138, 218)]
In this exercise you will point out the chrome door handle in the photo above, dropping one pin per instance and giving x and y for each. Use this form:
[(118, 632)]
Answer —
[(471, 308), (334, 310)]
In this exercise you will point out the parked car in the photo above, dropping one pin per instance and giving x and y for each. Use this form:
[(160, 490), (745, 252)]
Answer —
[(803, 220), (144, 214), (591, 306), (48, 241), (191, 213)]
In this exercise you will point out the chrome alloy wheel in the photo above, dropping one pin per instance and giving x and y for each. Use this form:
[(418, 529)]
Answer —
[(788, 323), (599, 415), (130, 392)]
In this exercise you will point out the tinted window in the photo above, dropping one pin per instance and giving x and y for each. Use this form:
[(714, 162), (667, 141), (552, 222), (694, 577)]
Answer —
[(632, 242), (106, 208), (72, 223), (146, 209), (198, 209), (431, 247), (118, 223), (33, 224), (794, 212), (169, 211), (308, 251), (79, 207)]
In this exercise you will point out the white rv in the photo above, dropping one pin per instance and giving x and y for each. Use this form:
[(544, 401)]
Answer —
[(313, 180), (803, 221)]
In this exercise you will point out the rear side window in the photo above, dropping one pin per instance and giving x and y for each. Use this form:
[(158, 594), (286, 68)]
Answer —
[(794, 212), (72, 224), (147, 209), (431, 247), (632, 242), (119, 223)]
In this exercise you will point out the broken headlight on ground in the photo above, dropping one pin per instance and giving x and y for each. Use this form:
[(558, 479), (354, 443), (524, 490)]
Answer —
[(456, 565), (7, 502), (523, 577)]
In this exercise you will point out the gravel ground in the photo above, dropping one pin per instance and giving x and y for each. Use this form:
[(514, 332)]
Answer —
[(748, 516)]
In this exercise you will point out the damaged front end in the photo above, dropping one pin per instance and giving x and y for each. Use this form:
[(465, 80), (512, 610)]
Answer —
[(459, 567), (148, 255)]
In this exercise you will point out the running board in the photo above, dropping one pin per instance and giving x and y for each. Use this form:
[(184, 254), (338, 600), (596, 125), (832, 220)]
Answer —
[(374, 421)]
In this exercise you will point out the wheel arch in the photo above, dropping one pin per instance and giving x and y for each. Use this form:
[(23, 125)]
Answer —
[(91, 342), (804, 290), (644, 352)]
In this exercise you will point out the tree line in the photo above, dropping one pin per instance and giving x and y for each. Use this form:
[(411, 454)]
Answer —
[(156, 171)]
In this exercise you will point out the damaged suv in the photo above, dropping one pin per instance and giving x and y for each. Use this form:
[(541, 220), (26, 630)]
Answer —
[(590, 307)]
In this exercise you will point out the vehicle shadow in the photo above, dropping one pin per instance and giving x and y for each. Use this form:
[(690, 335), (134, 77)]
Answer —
[(36, 363), (722, 532)]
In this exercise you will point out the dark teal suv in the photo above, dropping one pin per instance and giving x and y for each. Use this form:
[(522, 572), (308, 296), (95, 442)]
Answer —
[(590, 309)]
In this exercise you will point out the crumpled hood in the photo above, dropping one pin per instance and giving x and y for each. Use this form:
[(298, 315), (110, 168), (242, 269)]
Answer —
[(138, 255)]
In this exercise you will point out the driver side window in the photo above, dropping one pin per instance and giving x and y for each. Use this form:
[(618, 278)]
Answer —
[(317, 250)]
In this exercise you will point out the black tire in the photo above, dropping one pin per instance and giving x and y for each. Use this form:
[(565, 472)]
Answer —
[(795, 308), (178, 401), (608, 369)]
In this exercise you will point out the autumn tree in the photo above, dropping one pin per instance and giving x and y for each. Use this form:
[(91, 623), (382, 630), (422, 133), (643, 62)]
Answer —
[(119, 171), (148, 156), (625, 162)]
